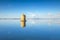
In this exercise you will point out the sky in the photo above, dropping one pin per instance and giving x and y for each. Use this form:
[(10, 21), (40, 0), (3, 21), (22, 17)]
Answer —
[(14, 8), (31, 8)]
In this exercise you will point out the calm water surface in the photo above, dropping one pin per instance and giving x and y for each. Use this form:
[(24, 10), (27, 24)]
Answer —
[(11, 30)]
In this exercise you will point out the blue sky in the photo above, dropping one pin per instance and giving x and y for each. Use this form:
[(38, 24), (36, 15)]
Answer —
[(16, 7), (32, 8)]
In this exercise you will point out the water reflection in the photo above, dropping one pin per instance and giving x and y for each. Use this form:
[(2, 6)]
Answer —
[(11, 30)]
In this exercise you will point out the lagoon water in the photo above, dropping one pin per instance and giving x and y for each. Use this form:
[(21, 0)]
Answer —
[(11, 30)]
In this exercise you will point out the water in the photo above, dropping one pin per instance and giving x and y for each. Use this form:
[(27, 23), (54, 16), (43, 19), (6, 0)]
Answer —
[(11, 30)]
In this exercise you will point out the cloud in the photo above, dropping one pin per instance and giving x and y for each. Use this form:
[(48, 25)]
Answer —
[(47, 18)]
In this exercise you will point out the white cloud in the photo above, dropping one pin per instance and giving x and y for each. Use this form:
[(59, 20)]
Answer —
[(35, 15), (48, 21)]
